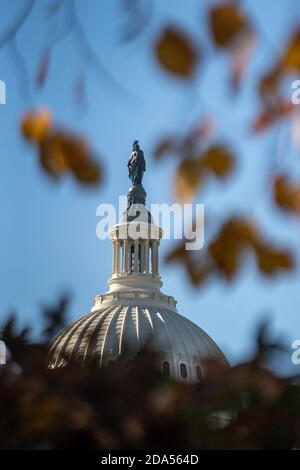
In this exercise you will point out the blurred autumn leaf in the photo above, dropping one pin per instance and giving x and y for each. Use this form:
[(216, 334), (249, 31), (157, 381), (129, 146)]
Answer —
[(199, 158), (276, 106), (271, 114), (227, 21), (191, 172), (291, 58), (225, 254), (60, 151), (176, 52), (54, 317), (36, 126), (218, 160), (286, 194), (231, 31), (188, 179)]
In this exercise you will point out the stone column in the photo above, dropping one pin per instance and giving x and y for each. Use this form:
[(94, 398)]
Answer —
[(114, 257), (136, 256), (125, 256), (129, 256), (154, 257), (146, 254), (117, 261), (142, 257)]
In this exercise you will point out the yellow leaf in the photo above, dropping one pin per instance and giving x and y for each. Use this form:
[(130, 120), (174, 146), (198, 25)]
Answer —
[(187, 179)]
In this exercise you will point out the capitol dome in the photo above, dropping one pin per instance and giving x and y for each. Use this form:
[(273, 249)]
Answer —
[(134, 314)]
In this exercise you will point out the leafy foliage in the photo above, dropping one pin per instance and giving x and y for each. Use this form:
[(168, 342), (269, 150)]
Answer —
[(131, 406), (226, 252), (199, 159), (60, 151)]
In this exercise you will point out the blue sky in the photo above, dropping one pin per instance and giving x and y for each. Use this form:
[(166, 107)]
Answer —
[(48, 241)]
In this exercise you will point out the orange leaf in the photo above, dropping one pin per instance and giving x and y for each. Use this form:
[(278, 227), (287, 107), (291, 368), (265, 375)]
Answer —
[(291, 59), (176, 53), (36, 125)]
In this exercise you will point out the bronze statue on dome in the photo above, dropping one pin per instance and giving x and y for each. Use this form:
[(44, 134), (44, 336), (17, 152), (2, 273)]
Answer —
[(136, 164)]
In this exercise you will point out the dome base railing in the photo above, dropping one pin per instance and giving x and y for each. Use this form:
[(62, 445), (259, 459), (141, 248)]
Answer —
[(133, 296)]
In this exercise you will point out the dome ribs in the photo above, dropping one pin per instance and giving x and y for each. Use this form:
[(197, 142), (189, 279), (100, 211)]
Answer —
[(107, 335), (89, 350), (146, 338), (66, 339), (83, 333), (130, 343)]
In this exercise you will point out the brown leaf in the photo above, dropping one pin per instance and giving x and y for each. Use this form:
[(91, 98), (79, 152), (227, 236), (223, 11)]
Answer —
[(227, 21), (198, 270), (231, 30), (274, 105), (271, 260), (225, 254), (176, 53), (179, 253), (228, 246), (165, 146), (51, 159), (286, 194), (218, 160), (268, 116), (234, 238), (89, 173), (70, 152), (269, 87)]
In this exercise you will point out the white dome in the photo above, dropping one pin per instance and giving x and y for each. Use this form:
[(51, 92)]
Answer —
[(121, 331)]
